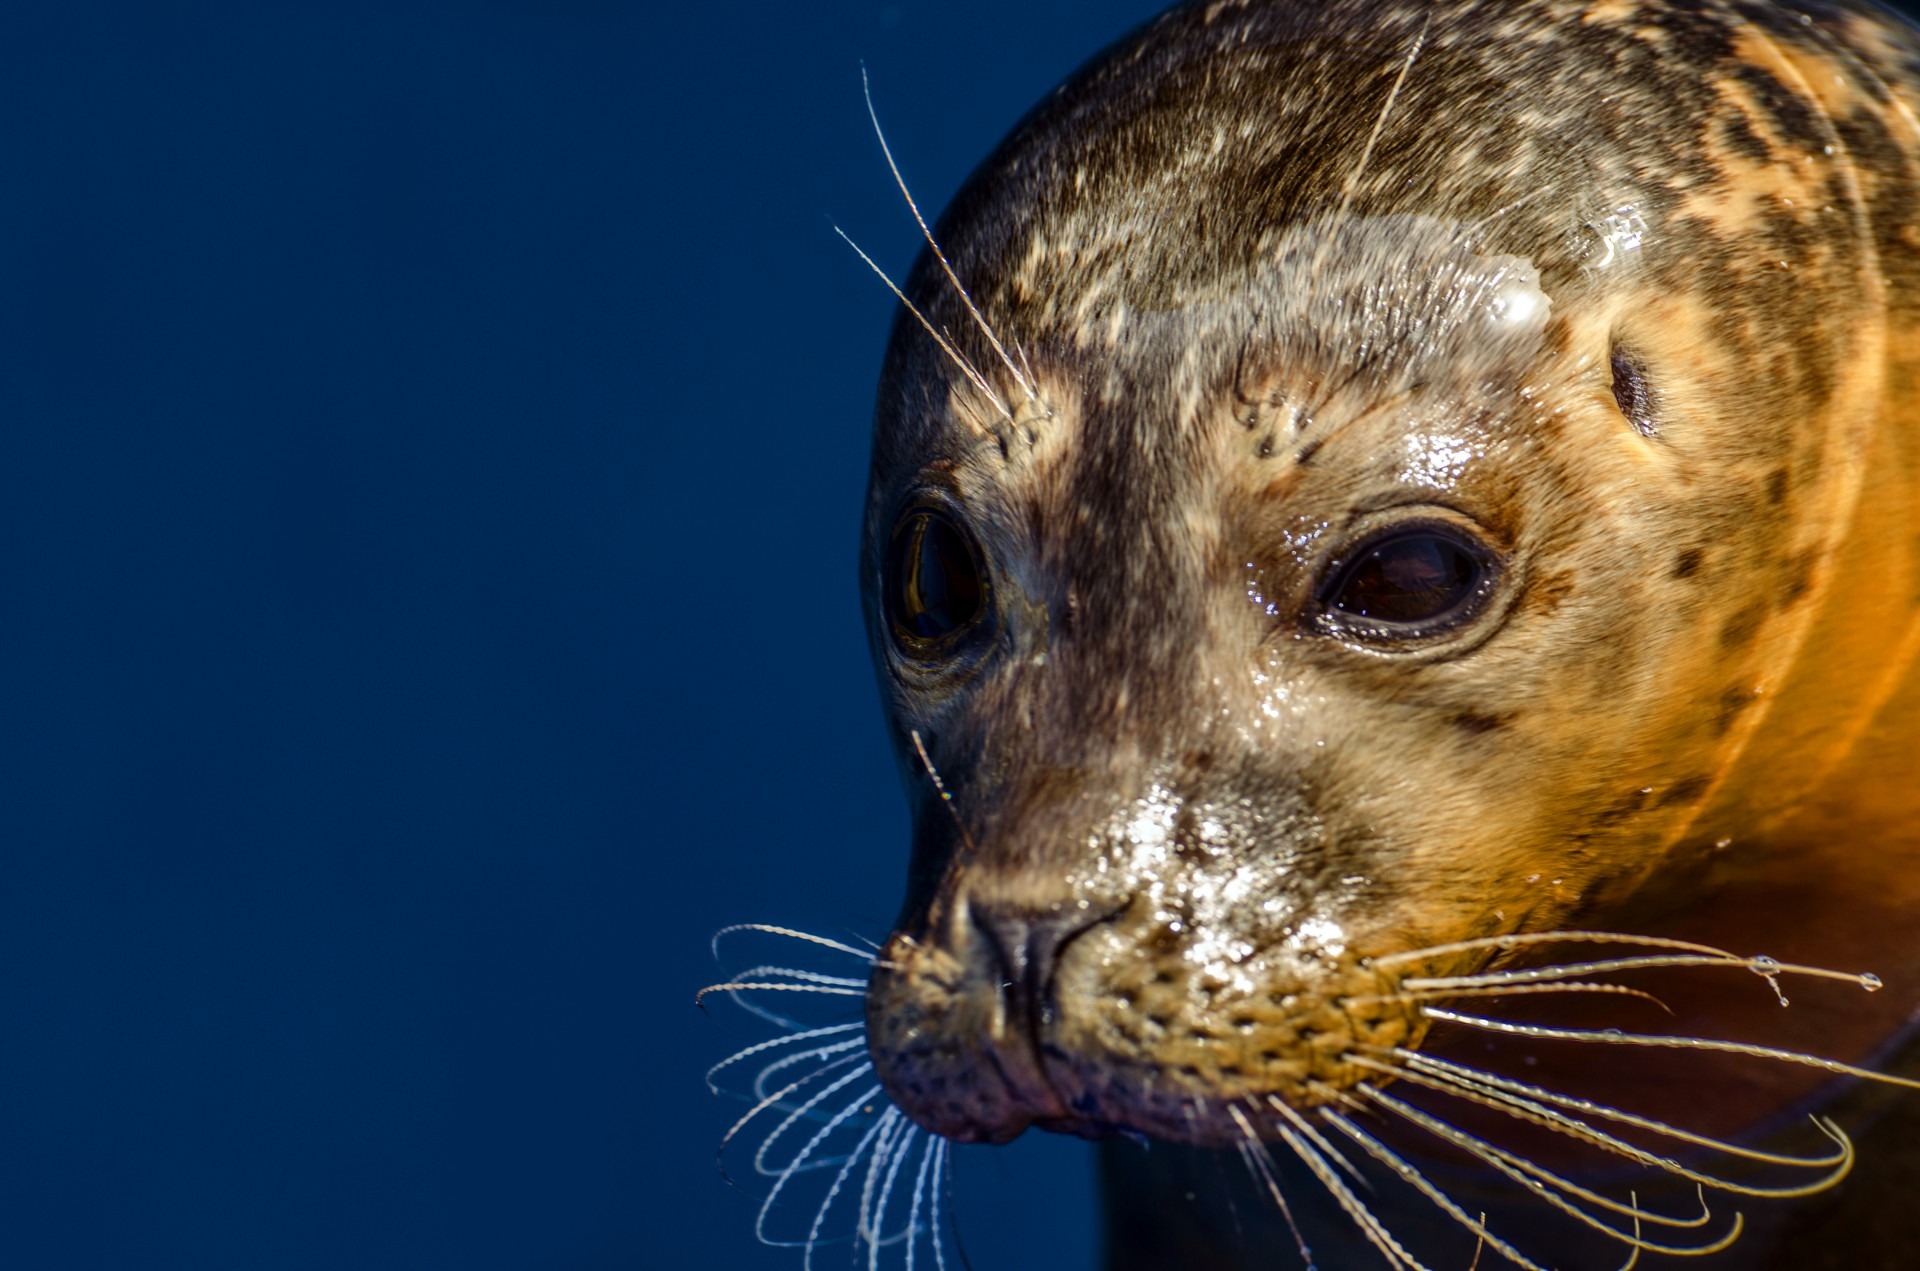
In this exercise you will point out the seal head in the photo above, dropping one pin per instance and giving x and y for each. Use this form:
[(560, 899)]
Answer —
[(1377, 491)]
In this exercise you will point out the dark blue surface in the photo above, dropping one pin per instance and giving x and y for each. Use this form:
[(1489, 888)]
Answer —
[(431, 442)]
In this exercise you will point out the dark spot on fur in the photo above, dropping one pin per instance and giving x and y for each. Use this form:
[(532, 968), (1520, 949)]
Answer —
[(1687, 563), (1470, 722), (1631, 394), (1743, 140), (1686, 790), (1743, 626), (1544, 595), (1265, 449), (1626, 806), (1308, 451), (1733, 700), (1777, 486), (1799, 576)]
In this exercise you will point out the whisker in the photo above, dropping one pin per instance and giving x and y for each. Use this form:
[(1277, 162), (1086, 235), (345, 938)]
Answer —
[(803, 1111), (774, 986), (1254, 1153), (966, 368), (919, 1195), (1615, 1038), (940, 788), (1574, 1128), (902, 1149), (1366, 152), (1760, 965), (1426, 994), (734, 1130), (802, 977), (764, 1078), (867, 1222), (838, 1119), (1500, 1161), (944, 1170), (1370, 1226), (979, 319), (1393, 1161), (1507, 1084), (833, 1191), (1768, 969), (766, 929), (1318, 1139), (762, 1047)]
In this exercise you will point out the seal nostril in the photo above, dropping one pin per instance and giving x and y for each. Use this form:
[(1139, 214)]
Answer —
[(1025, 946)]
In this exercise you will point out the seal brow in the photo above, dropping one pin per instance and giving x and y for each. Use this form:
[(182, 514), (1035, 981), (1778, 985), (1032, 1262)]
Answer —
[(966, 367), (979, 318)]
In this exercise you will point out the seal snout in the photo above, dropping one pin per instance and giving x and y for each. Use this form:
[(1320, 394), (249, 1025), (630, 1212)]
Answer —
[(959, 1033)]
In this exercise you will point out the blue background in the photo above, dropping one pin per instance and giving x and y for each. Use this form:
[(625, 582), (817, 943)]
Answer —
[(431, 443)]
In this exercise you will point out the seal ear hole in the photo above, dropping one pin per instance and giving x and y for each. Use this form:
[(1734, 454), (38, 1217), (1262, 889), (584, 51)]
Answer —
[(1631, 392)]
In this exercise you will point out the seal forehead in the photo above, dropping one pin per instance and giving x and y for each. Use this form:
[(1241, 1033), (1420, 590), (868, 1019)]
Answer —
[(1160, 176)]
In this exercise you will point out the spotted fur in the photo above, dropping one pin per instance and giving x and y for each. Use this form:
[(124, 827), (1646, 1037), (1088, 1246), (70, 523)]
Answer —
[(1276, 273)]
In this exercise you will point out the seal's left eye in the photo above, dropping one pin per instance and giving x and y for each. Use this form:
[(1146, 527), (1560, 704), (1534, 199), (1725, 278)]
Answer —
[(1410, 580), (934, 586)]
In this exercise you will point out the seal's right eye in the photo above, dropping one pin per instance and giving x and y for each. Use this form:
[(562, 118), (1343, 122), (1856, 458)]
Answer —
[(934, 585)]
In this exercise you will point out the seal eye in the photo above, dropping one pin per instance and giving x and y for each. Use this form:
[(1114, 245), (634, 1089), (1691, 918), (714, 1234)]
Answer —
[(1408, 581), (934, 585)]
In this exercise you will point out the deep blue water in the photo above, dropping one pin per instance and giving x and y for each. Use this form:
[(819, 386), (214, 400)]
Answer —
[(431, 442)]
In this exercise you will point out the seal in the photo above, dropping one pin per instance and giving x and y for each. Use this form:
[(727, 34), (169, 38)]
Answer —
[(1360, 491)]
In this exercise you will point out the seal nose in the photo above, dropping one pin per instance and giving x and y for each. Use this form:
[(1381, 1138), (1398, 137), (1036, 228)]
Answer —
[(1025, 947)]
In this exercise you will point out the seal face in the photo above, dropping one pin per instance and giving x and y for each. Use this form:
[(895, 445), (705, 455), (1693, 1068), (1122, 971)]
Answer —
[(1398, 477)]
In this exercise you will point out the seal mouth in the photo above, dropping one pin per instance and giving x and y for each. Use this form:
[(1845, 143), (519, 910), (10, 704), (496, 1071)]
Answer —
[(819, 1091)]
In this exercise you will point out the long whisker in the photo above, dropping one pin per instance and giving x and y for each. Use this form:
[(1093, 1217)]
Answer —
[(1319, 1140), (1671, 1043), (940, 788), (1768, 969), (838, 1119), (1393, 1161), (776, 1097), (1254, 1153), (1370, 1226), (864, 955), (926, 231), (1507, 1084), (965, 367), (1500, 1161), (774, 986), (1508, 943), (867, 1223), (1366, 152), (919, 1195), (1425, 994), (901, 1149), (945, 1168), (1574, 1128), (764, 1078), (802, 977), (802, 1112), (833, 1191), (759, 1048)]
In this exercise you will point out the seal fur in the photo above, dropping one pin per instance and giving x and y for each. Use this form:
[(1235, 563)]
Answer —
[(1628, 291)]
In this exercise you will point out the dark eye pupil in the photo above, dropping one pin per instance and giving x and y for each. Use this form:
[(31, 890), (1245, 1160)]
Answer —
[(934, 584), (1414, 578)]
